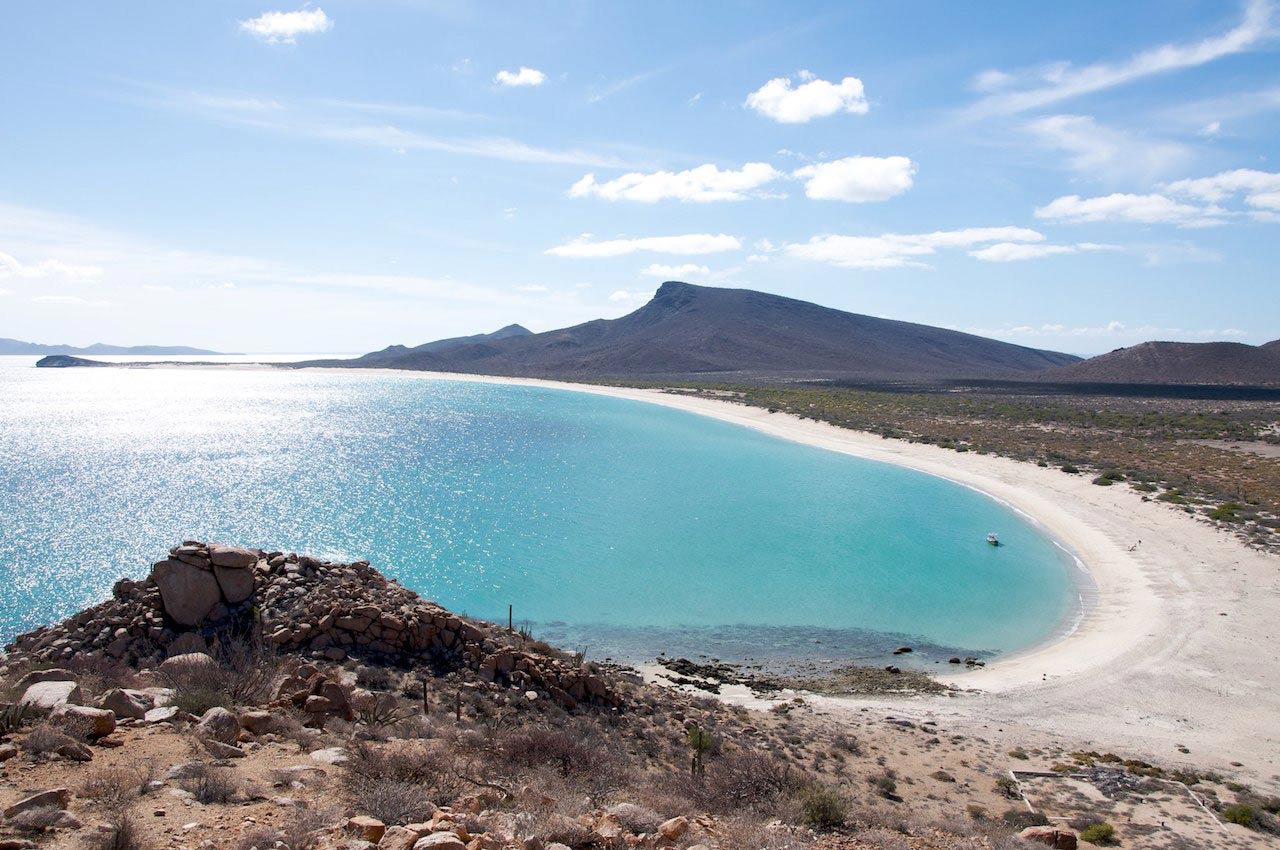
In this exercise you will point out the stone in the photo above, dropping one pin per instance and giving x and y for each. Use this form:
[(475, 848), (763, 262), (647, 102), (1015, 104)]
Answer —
[(58, 798), (187, 592), (186, 663), (332, 755), (163, 714), (219, 750), (17, 844), (125, 704), (101, 722), (235, 557), (218, 724), (46, 696), (440, 841), (8, 751), (399, 838), (674, 828), (258, 722), (1050, 836), (74, 751), (236, 583), (367, 828)]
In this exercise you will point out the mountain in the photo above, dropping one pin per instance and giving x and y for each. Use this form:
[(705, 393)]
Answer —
[(17, 346), (392, 352), (1178, 363), (700, 331)]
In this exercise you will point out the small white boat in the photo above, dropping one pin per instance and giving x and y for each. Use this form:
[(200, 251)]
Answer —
[(992, 539)]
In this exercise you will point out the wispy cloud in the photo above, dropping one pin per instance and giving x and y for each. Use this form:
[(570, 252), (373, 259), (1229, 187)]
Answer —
[(285, 27), (691, 243), (901, 250), (1102, 153), (10, 267), (701, 184), (1129, 209), (519, 78), (346, 121), (1010, 252), (1040, 87)]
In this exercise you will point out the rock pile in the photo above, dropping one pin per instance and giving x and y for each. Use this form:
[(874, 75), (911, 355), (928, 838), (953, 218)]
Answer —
[(206, 594)]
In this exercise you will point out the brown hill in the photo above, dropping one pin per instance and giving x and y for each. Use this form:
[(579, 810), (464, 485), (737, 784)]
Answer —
[(1179, 363), (701, 331)]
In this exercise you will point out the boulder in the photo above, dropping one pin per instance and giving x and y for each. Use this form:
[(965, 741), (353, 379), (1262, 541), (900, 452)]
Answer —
[(367, 828), (46, 696), (258, 722), (236, 557), (185, 663), (674, 828), (56, 798), (332, 755), (187, 592), (163, 714), (219, 750), (236, 583), (218, 724), (100, 722), (55, 674), (399, 838), (124, 703), (1050, 836), (440, 841)]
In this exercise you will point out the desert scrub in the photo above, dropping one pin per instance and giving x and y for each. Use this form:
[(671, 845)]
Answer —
[(118, 832), (1098, 833), (210, 784), (822, 808), (1241, 814)]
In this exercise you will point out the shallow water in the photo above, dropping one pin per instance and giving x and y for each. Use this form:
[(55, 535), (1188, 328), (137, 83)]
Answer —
[(617, 526)]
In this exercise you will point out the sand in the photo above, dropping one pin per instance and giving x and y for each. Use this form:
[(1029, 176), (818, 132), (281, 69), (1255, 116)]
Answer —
[(1177, 646)]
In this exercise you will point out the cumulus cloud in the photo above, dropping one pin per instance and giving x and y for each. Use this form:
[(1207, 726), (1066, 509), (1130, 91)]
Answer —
[(897, 250), (813, 98), (1059, 81), (690, 243), (285, 27), (1009, 252), (1260, 188), (857, 179), (1129, 208), (1102, 152), (523, 77), (10, 267), (681, 272), (704, 183)]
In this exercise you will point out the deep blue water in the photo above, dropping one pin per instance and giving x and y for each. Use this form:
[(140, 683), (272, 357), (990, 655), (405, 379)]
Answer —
[(618, 526)]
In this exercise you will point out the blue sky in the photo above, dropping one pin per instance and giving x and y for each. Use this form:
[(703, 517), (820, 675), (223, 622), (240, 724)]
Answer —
[(341, 175)]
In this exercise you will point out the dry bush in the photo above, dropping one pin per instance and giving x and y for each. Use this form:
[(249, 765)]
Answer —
[(120, 832), (43, 740), (582, 755), (211, 784), (744, 781), (741, 832), (241, 675), (260, 838), (389, 800), (116, 785), (398, 782), (307, 828)]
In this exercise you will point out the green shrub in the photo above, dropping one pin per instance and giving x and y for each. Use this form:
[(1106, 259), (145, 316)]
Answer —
[(1070, 469), (822, 808), (1241, 814), (1103, 481), (1098, 833), (1226, 512)]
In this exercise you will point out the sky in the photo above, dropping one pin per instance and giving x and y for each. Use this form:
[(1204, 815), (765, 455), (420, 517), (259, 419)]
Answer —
[(346, 174)]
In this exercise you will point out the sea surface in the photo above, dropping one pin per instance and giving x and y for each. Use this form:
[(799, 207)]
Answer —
[(617, 527)]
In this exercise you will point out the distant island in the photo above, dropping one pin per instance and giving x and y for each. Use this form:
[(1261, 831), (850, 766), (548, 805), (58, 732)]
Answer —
[(17, 346)]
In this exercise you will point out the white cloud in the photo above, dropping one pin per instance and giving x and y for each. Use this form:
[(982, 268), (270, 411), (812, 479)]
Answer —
[(1102, 152), (67, 301), (523, 77), (10, 267), (1008, 252), (811, 99), (704, 183), (630, 297), (897, 250), (681, 272), (285, 27), (1114, 329), (692, 243), (532, 287), (1211, 129), (857, 179), (1260, 188), (1128, 208), (1060, 81)]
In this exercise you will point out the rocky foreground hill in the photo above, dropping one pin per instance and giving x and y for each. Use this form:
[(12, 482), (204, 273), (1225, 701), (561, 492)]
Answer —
[(241, 698)]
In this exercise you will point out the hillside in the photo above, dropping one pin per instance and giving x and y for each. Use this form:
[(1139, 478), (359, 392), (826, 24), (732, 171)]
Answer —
[(699, 331), (392, 352), (17, 346), (1179, 363)]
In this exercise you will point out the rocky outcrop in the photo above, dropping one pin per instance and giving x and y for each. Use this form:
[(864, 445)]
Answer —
[(206, 594)]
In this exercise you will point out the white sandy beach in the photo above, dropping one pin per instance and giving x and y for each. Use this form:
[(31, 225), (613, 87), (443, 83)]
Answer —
[(1177, 646)]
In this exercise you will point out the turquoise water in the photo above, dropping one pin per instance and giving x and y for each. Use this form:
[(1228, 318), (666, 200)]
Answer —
[(621, 527)]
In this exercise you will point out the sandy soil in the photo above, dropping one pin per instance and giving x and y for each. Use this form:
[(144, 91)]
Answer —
[(1177, 647)]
